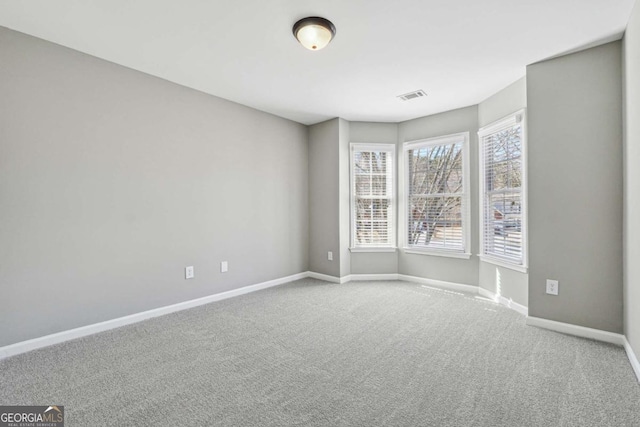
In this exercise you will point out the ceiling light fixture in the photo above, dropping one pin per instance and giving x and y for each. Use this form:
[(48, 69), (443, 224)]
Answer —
[(314, 32)]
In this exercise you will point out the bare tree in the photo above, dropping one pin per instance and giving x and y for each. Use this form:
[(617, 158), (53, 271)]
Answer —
[(435, 183), (505, 157)]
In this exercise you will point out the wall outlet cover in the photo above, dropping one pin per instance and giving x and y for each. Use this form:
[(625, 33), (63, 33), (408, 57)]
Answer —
[(189, 272), (552, 287), (330, 256), (224, 267)]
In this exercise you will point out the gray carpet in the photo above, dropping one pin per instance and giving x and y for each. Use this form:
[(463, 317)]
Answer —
[(311, 353)]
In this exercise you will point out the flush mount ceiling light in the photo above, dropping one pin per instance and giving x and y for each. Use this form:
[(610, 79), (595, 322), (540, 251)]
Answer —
[(314, 32)]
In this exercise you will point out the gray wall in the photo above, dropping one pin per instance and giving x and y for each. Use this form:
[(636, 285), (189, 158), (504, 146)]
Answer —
[(506, 282), (435, 267), (509, 100), (632, 181), (112, 181), (324, 200), (345, 197), (379, 262), (575, 187)]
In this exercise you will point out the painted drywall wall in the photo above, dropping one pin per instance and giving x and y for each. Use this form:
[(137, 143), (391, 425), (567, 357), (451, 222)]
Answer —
[(454, 270), (506, 282), (379, 262), (324, 201), (345, 197), (503, 103), (631, 71), (575, 187), (112, 181)]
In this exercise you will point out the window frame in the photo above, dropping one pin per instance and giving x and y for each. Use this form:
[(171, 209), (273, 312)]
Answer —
[(465, 253), (518, 117), (390, 149)]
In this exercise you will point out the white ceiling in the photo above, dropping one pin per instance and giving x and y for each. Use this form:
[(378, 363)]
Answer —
[(458, 51)]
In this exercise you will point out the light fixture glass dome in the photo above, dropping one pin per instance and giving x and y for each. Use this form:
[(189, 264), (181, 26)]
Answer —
[(314, 33)]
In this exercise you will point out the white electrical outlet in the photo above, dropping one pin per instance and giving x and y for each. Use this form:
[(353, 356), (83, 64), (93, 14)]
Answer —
[(224, 267), (189, 272), (330, 256), (552, 287)]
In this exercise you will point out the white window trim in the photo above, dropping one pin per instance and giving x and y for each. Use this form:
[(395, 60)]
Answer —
[(443, 253), (466, 186), (388, 148), (519, 116), (370, 249)]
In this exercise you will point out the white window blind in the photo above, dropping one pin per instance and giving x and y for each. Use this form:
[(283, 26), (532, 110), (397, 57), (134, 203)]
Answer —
[(502, 190), (372, 195), (437, 203)]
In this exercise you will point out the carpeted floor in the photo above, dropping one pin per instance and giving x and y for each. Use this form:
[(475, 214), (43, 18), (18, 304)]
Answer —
[(312, 353)]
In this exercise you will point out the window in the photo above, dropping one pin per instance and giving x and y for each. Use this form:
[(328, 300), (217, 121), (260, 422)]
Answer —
[(436, 195), (502, 191), (372, 196)]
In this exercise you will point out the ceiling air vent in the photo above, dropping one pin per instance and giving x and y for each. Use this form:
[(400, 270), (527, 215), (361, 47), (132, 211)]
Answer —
[(412, 95)]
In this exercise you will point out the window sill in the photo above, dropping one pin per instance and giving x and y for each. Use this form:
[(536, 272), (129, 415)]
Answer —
[(503, 263), (458, 255), (378, 249)]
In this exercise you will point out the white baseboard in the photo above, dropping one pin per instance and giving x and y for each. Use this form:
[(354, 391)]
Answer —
[(440, 284), (47, 340), (508, 302), (325, 277), (579, 331), (632, 358), (372, 277), (488, 294)]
